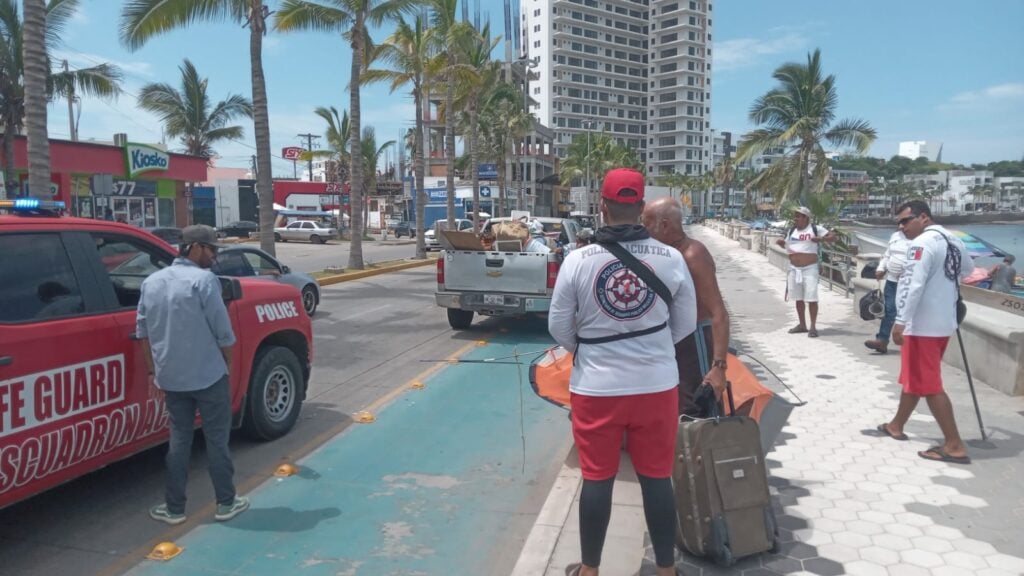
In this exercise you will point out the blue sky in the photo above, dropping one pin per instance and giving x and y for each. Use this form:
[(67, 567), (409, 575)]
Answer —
[(915, 69)]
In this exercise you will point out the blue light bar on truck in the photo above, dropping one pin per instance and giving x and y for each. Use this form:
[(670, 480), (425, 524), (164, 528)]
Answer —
[(32, 206)]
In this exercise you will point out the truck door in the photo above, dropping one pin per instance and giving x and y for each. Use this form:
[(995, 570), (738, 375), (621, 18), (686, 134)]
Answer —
[(63, 377), (120, 284)]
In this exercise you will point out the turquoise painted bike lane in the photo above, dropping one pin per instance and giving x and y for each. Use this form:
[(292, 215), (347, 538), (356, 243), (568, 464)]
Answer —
[(430, 488)]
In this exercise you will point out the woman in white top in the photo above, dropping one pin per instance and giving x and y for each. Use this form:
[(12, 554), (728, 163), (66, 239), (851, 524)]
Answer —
[(802, 281)]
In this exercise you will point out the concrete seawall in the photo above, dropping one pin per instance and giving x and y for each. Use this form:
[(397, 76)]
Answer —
[(993, 332)]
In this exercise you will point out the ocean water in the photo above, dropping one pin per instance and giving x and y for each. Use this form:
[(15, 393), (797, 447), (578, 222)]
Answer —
[(1008, 237)]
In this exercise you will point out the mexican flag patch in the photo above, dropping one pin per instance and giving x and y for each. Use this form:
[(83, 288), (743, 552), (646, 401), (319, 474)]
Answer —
[(915, 253)]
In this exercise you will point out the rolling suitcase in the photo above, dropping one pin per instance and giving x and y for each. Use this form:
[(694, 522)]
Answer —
[(723, 508)]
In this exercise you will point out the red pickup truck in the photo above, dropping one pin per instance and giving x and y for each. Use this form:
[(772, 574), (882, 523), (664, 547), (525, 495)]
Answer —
[(74, 391)]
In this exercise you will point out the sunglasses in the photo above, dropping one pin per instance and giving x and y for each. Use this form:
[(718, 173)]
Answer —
[(905, 221)]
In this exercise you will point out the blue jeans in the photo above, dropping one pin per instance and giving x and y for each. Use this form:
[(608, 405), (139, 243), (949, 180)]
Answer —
[(214, 404), (890, 311)]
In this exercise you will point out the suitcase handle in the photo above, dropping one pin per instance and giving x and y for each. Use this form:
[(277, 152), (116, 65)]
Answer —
[(718, 410)]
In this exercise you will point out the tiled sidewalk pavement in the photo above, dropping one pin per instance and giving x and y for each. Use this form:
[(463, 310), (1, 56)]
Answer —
[(852, 503)]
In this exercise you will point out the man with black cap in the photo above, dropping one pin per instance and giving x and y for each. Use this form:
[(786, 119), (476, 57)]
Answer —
[(623, 329), (801, 244), (187, 338)]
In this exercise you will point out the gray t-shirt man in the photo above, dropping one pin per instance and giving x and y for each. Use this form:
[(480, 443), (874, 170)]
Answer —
[(1003, 275)]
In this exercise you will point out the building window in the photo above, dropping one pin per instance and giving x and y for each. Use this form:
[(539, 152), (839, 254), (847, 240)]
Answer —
[(667, 155), (667, 141), (536, 28), (537, 12), (536, 44)]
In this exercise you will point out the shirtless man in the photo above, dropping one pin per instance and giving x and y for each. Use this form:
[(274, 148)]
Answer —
[(802, 281), (701, 356)]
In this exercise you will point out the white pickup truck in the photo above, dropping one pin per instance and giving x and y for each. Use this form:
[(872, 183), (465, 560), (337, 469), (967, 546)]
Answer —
[(501, 283)]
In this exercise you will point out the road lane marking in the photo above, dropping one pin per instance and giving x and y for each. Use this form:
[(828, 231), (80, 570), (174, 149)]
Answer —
[(201, 516)]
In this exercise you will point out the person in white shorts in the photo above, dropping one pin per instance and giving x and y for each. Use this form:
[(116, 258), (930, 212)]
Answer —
[(801, 243)]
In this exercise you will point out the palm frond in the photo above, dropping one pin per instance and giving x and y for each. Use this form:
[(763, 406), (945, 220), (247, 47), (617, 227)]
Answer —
[(306, 15), (142, 20)]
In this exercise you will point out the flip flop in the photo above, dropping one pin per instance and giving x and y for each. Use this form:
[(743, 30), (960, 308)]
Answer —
[(884, 429), (797, 330), (573, 569), (813, 333), (941, 455)]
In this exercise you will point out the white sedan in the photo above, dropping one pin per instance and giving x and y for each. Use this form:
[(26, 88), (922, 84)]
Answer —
[(303, 230)]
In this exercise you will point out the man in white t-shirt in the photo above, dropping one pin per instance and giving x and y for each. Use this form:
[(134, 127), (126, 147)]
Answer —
[(625, 378), (926, 316), (801, 243), (890, 267)]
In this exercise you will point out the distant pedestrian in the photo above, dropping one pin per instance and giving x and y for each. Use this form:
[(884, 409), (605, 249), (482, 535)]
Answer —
[(891, 268), (926, 302), (1003, 275), (701, 356), (801, 243), (537, 241), (187, 339), (625, 379), (584, 238)]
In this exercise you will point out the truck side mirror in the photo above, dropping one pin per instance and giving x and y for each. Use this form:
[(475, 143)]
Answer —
[(230, 288)]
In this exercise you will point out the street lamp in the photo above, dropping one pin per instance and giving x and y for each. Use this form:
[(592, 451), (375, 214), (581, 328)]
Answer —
[(588, 124)]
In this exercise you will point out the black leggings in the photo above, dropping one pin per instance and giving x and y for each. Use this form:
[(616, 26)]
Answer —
[(659, 509)]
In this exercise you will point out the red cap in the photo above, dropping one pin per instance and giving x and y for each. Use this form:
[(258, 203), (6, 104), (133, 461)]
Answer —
[(623, 185)]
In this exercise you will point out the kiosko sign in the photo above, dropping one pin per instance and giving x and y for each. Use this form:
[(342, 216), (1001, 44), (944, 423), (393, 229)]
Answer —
[(141, 158)]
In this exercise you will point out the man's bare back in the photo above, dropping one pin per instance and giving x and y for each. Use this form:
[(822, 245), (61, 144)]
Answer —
[(701, 264)]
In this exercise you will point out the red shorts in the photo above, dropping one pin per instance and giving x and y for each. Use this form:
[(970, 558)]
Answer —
[(598, 423), (921, 364)]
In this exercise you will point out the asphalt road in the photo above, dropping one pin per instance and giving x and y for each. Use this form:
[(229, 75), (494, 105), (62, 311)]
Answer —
[(305, 257), (370, 338)]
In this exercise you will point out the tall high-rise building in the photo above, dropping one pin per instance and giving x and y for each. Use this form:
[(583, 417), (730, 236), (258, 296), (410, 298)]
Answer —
[(638, 70)]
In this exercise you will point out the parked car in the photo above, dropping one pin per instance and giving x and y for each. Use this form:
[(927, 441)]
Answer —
[(240, 229), (430, 237), (243, 261), (170, 235), (303, 230), (405, 228)]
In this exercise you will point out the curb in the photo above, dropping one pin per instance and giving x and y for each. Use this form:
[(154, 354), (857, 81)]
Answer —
[(359, 274), (536, 554)]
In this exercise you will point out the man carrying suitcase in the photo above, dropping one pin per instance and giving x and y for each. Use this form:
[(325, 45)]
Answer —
[(623, 317)]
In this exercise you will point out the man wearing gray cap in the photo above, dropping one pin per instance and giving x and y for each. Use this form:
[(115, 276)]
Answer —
[(801, 243), (1003, 275), (187, 338)]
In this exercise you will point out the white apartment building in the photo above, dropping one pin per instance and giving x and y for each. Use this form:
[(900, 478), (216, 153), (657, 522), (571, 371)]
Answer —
[(919, 148), (639, 70)]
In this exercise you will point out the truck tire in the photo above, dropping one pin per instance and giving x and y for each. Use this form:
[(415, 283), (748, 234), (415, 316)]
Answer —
[(275, 394), (459, 319)]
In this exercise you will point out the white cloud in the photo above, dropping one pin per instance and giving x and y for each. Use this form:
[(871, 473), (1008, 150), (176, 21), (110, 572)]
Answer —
[(996, 93), (743, 52)]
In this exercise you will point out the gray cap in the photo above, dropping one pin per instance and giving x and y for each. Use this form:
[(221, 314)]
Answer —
[(200, 233), (803, 210)]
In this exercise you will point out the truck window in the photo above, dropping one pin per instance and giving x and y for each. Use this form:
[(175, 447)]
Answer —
[(232, 263), (44, 286), (128, 262), (261, 264)]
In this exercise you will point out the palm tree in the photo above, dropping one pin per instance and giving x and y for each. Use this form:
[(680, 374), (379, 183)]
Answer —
[(36, 67), (141, 20), (673, 180), (725, 177), (502, 120), (407, 54), (352, 19), (448, 32), (479, 72), (370, 155), (799, 116), (337, 135), (100, 80), (187, 113)]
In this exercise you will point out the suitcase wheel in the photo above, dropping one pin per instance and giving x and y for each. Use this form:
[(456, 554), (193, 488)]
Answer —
[(776, 546), (725, 558)]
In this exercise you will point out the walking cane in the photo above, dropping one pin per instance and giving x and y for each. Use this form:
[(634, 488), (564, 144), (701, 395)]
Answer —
[(970, 383)]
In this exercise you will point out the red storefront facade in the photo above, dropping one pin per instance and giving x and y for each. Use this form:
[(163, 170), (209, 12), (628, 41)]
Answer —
[(101, 181), (299, 195)]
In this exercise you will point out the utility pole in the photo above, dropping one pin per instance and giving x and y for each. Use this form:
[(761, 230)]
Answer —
[(309, 148), (73, 129)]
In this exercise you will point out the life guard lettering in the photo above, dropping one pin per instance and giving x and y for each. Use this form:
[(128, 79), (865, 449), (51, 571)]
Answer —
[(276, 311), (43, 397)]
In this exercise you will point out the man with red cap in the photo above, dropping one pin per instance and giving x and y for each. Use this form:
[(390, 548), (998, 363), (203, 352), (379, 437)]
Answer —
[(623, 326)]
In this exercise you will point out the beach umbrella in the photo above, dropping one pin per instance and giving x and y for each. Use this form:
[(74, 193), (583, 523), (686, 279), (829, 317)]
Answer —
[(976, 247)]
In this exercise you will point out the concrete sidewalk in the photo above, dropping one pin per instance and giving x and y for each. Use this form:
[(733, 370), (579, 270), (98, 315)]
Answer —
[(847, 501)]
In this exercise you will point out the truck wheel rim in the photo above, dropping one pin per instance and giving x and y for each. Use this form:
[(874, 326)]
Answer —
[(308, 301), (279, 394)]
